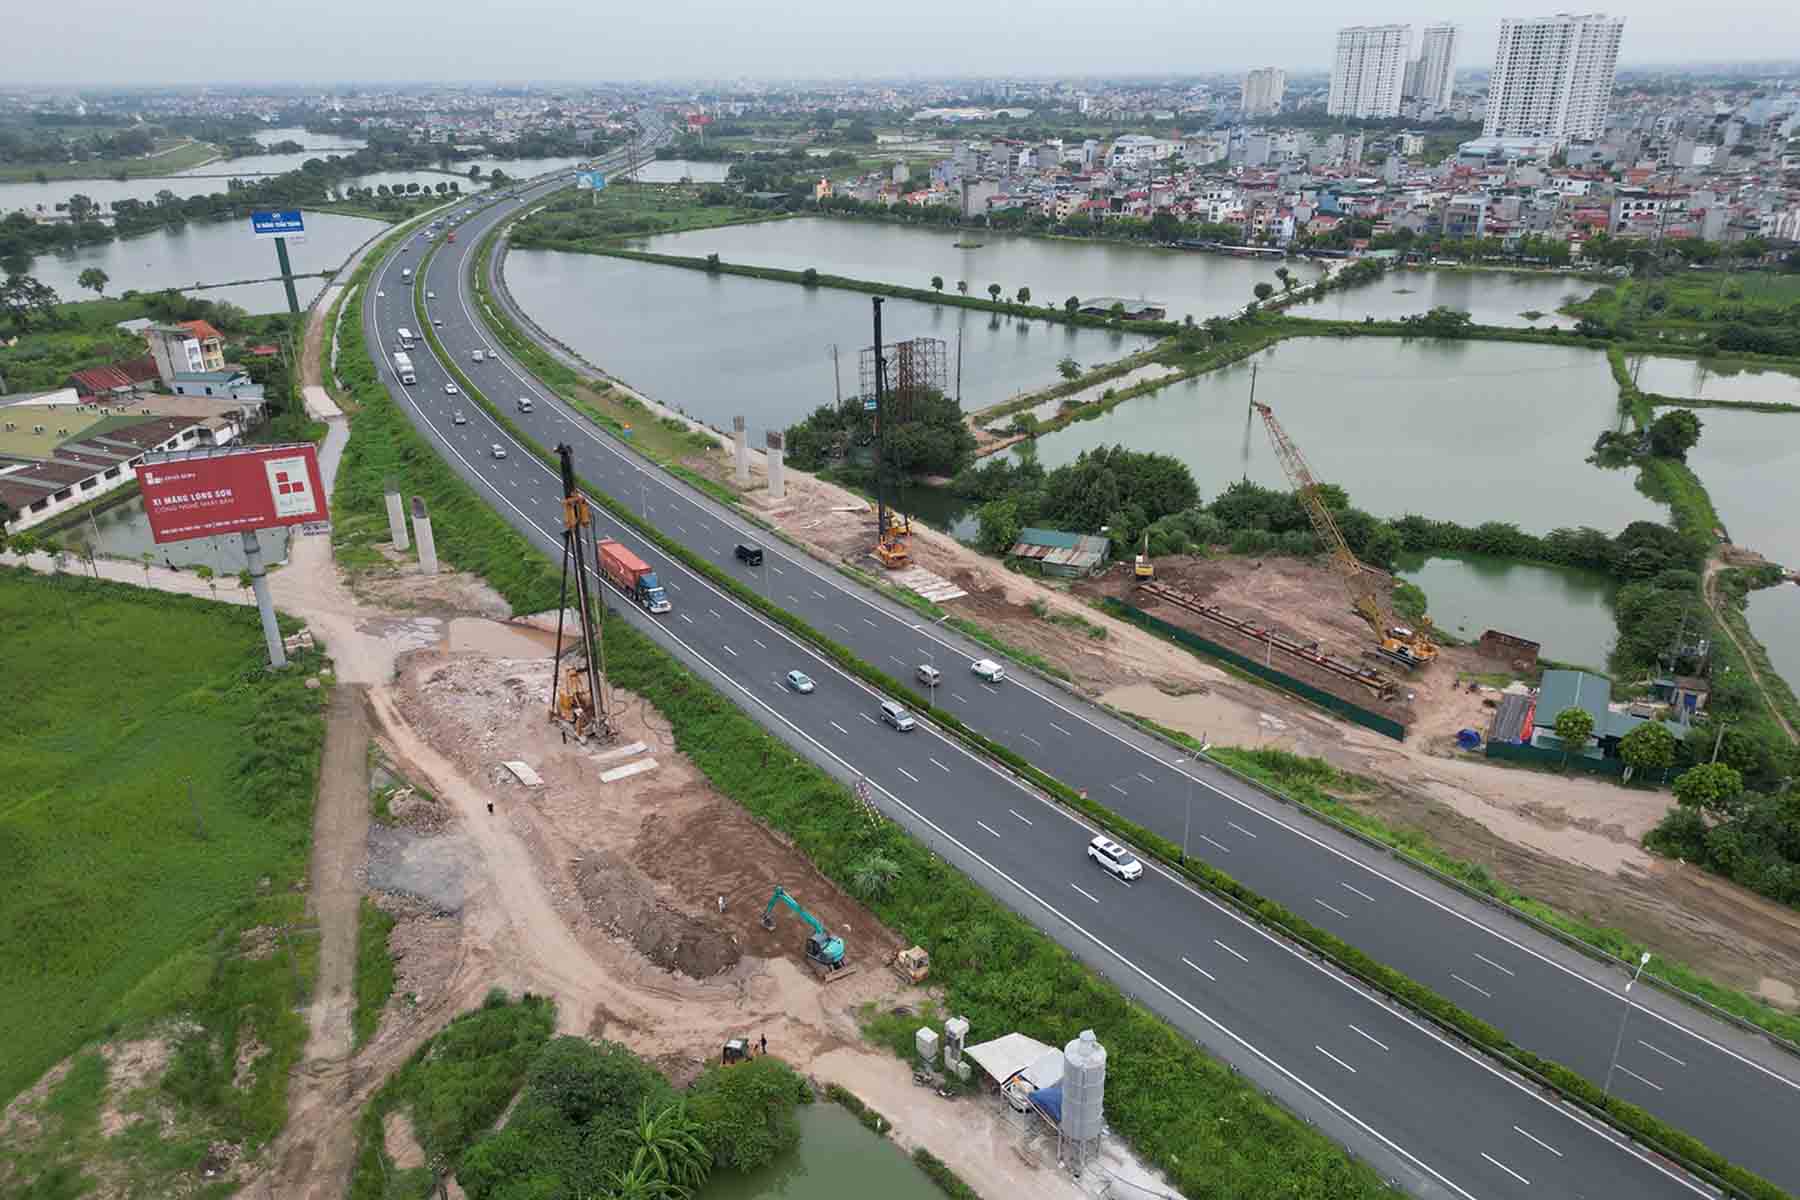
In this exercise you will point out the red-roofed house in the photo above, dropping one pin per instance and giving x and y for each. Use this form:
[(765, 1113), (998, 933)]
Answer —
[(263, 351)]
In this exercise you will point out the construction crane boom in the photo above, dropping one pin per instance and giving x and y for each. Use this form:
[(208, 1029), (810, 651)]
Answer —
[(1409, 647)]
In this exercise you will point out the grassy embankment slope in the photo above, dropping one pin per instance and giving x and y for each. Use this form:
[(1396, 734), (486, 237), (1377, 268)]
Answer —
[(169, 162), (123, 901)]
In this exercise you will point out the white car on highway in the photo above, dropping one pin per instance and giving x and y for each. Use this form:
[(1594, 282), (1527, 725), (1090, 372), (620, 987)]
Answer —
[(450, 389), (1114, 858), (988, 670)]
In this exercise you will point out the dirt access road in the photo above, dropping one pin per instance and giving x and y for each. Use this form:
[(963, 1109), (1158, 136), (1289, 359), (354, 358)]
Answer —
[(1715, 563)]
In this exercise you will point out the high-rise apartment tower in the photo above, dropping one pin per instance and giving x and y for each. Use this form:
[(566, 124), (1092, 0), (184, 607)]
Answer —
[(1263, 90), (1369, 70), (1553, 77), (1436, 76)]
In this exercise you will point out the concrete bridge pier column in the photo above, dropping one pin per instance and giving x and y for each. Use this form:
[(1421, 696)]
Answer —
[(396, 515), (422, 530), (741, 447), (777, 481)]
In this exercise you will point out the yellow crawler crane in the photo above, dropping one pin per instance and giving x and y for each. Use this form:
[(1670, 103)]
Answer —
[(1406, 646)]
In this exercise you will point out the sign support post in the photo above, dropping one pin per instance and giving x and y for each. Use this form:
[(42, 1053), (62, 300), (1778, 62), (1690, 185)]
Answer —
[(287, 276), (265, 603), (281, 225)]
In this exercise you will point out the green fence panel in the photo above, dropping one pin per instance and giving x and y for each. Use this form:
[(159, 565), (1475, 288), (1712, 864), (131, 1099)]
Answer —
[(1199, 645), (1516, 752)]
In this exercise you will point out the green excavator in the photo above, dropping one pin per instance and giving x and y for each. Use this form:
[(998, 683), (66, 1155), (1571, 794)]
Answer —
[(823, 951)]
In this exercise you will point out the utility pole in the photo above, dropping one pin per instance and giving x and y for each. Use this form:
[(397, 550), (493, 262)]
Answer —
[(287, 276), (1623, 1017), (837, 379), (880, 430)]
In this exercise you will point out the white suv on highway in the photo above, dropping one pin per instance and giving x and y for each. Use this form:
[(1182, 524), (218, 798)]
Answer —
[(1115, 858), (987, 669)]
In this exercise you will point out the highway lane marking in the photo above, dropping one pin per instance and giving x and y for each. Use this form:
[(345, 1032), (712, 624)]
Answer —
[(990, 687), (776, 569), (729, 650), (1371, 1037), (1506, 1168), (907, 773), (550, 536), (1240, 829), (866, 717), (715, 613), (1358, 891), (1015, 812), (1230, 951), (1540, 1141), (870, 624), (1340, 912), (820, 595), (1639, 1078), (840, 728), (896, 658), (845, 628), (1059, 729), (1664, 1053), (1220, 845), (1490, 962), (1190, 962), (1032, 740), (1334, 1058), (1086, 893), (1467, 984), (681, 527), (940, 766), (686, 618), (957, 698), (1115, 787), (989, 828), (758, 641), (674, 585), (1145, 778)]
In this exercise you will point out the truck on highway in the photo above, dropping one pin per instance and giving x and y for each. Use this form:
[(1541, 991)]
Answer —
[(406, 275), (403, 364), (633, 576), (406, 337)]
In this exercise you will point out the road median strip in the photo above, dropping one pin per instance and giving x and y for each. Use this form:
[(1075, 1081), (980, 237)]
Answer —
[(1664, 1139)]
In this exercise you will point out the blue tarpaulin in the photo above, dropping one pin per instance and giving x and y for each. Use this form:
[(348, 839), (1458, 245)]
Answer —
[(1049, 1102)]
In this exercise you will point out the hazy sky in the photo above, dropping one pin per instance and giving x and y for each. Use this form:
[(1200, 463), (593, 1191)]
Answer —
[(320, 41)]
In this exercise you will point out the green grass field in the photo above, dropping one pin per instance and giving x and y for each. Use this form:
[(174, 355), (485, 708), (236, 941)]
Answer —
[(115, 908), (192, 154)]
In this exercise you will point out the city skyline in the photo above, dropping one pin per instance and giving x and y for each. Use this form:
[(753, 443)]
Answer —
[(412, 41)]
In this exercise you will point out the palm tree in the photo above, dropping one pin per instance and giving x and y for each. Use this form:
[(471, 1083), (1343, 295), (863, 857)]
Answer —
[(872, 876), (638, 1183), (667, 1144), (937, 283)]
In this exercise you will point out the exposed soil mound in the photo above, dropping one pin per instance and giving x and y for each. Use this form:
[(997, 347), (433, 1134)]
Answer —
[(622, 900)]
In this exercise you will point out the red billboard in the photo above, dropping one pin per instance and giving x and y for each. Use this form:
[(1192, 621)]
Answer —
[(210, 492)]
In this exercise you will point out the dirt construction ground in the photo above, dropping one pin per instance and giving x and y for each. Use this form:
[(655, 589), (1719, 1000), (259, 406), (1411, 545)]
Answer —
[(1571, 842)]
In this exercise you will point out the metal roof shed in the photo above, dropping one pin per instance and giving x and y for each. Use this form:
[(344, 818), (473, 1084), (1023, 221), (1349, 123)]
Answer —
[(1068, 555)]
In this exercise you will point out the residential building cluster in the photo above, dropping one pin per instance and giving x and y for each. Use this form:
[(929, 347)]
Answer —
[(1723, 167), (65, 447)]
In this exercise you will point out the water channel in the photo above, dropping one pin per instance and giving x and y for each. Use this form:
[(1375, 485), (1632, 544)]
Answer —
[(1489, 297), (836, 1157), (123, 531), (1750, 462), (717, 346), (1697, 379), (1567, 610), (1466, 431), (1185, 283), (211, 252)]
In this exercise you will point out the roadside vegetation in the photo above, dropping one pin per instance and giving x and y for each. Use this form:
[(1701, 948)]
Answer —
[(190, 931), (591, 1118), (374, 971), (383, 443)]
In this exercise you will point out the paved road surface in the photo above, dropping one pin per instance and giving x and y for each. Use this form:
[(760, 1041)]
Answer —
[(1444, 1121)]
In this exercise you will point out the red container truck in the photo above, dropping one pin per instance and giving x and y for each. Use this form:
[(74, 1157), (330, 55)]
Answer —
[(633, 576)]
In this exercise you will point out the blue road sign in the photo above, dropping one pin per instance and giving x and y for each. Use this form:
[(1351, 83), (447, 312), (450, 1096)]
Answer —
[(585, 180), (282, 223)]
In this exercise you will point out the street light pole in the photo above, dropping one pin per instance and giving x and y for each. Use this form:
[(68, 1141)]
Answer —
[(1623, 1017)]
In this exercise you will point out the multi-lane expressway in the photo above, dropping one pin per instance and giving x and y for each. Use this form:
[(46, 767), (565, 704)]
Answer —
[(1441, 1119)]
